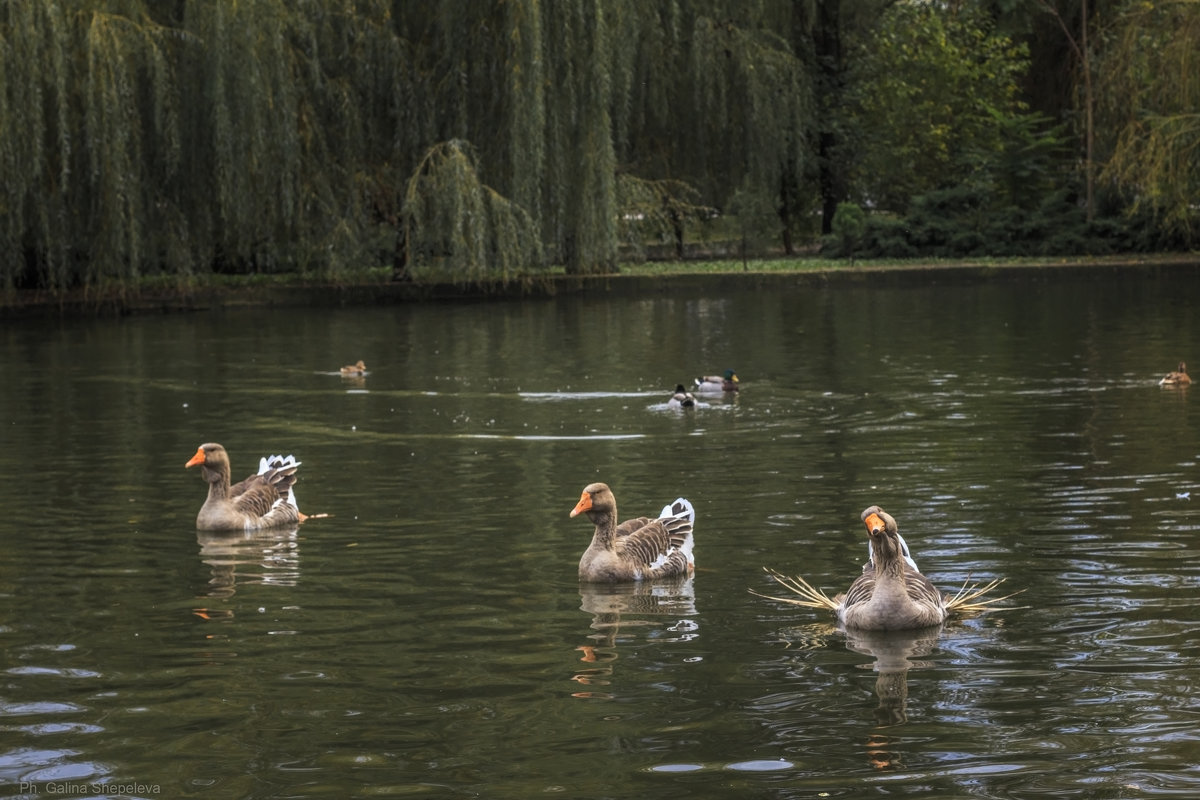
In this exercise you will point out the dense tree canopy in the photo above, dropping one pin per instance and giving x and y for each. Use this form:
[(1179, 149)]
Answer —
[(482, 140)]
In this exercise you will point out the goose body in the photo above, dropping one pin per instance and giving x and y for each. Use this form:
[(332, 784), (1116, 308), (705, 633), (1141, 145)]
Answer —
[(682, 398), (642, 548), (890, 594), (355, 370), (716, 384), (1177, 378), (263, 500)]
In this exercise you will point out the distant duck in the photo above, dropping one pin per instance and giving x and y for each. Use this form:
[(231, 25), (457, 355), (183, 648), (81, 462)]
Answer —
[(1177, 378), (681, 399), (355, 371), (264, 500), (890, 594), (712, 384), (642, 548)]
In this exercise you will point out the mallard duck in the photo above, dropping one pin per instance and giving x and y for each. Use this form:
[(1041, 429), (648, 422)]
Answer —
[(682, 398), (643, 548), (712, 384), (890, 594), (1177, 378), (264, 500), (355, 370)]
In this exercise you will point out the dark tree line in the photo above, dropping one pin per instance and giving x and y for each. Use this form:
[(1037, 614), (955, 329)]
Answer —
[(485, 139)]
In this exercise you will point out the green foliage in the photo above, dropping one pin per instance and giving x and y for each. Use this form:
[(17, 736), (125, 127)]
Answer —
[(849, 224), (662, 209), (1149, 85), (460, 230), (967, 222), (753, 211), (479, 140), (926, 91)]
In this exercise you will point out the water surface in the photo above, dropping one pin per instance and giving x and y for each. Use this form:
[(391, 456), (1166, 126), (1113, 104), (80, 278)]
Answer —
[(430, 639)]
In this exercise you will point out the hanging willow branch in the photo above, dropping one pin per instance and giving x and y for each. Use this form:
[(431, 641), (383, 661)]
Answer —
[(456, 228), (658, 207)]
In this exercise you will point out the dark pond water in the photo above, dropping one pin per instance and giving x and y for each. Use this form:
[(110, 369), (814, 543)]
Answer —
[(430, 639)]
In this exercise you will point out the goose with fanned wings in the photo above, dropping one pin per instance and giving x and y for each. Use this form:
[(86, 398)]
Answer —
[(643, 548), (263, 500), (890, 594)]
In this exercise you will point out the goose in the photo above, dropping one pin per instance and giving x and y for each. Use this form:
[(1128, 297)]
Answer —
[(355, 370), (642, 548), (264, 500), (682, 398), (712, 384), (890, 594), (1177, 378)]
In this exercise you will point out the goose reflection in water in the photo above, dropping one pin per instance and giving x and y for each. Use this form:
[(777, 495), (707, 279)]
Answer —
[(629, 605), (895, 653), (264, 557)]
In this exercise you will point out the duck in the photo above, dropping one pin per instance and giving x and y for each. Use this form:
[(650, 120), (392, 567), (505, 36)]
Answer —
[(263, 500), (890, 594), (682, 398), (355, 370), (642, 548), (1177, 378), (712, 384)]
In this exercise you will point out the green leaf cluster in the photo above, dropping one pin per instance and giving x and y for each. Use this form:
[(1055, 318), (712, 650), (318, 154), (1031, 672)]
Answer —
[(471, 140)]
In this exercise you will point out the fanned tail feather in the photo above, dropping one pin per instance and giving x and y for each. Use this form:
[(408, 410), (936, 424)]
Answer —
[(679, 507), (809, 595), (678, 518), (280, 472), (286, 465), (967, 600)]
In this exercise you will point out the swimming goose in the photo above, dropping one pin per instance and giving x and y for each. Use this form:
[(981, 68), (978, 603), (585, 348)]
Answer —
[(355, 370), (682, 398), (1177, 378), (638, 549), (890, 594), (264, 500), (712, 384)]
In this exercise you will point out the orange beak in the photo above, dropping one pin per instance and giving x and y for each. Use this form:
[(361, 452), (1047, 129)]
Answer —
[(874, 522), (196, 459), (585, 502)]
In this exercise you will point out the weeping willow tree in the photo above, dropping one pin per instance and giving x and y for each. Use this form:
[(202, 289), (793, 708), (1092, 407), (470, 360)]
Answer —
[(722, 102), (35, 146), (1149, 85), (131, 136), (458, 229), (256, 138), (663, 208), (88, 126), (140, 137), (579, 205)]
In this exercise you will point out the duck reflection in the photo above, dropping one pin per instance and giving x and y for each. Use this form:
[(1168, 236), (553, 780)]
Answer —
[(263, 556), (895, 653), (617, 606)]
